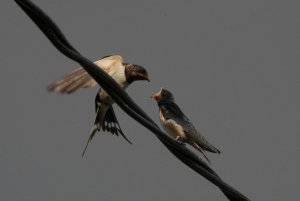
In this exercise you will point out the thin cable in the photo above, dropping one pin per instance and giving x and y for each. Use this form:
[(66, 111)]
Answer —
[(52, 32)]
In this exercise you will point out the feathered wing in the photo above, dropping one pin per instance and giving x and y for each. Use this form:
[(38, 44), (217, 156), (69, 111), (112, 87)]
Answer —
[(174, 112), (73, 81), (176, 130), (196, 146), (200, 140), (79, 78)]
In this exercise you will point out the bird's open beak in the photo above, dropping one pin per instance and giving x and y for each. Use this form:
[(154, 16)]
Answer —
[(156, 96)]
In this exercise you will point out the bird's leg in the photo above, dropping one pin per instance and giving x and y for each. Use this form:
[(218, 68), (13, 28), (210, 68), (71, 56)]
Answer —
[(177, 139)]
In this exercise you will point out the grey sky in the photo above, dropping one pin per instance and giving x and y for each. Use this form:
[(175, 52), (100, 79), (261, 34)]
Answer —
[(233, 67)]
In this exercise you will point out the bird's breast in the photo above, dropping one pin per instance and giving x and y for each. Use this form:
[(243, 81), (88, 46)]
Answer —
[(119, 76), (161, 118), (171, 127)]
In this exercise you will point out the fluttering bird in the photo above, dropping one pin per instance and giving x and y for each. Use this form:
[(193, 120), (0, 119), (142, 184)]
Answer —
[(178, 126), (123, 73)]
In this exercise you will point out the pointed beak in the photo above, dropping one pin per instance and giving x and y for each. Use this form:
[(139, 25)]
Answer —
[(156, 96), (145, 77), (140, 76)]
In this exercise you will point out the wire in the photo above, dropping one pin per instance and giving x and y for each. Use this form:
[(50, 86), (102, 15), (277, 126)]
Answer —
[(53, 33)]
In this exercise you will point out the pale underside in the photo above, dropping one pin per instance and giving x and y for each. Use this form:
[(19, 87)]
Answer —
[(172, 128)]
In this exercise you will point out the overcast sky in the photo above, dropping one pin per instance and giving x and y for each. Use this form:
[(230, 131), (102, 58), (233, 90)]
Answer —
[(233, 67)]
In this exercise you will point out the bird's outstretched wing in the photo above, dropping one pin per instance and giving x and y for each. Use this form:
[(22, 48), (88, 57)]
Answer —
[(79, 78)]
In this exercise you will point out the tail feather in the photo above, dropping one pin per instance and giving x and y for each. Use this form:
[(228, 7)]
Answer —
[(114, 126), (97, 124), (216, 150), (196, 146), (209, 147), (94, 129), (201, 141)]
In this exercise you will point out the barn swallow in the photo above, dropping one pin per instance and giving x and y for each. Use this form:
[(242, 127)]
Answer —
[(178, 126), (123, 73)]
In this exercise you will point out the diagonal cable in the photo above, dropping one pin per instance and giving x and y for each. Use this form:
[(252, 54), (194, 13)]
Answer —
[(52, 32)]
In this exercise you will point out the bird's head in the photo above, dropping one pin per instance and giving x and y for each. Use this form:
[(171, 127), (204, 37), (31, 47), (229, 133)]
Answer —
[(163, 95), (135, 72)]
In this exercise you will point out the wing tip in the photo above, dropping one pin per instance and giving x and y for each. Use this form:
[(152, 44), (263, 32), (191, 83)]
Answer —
[(58, 89), (217, 151)]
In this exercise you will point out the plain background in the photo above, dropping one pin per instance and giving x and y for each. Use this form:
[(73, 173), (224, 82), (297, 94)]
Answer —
[(233, 67)]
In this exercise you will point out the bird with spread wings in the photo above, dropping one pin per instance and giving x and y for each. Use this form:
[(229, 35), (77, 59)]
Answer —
[(123, 73)]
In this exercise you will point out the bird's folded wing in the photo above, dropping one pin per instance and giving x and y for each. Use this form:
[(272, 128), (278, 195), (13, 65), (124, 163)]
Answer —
[(197, 137), (175, 113)]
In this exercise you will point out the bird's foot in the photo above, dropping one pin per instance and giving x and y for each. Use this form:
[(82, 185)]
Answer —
[(177, 139)]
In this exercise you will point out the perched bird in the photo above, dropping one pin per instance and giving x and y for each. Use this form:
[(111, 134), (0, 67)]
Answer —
[(178, 126), (123, 73)]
